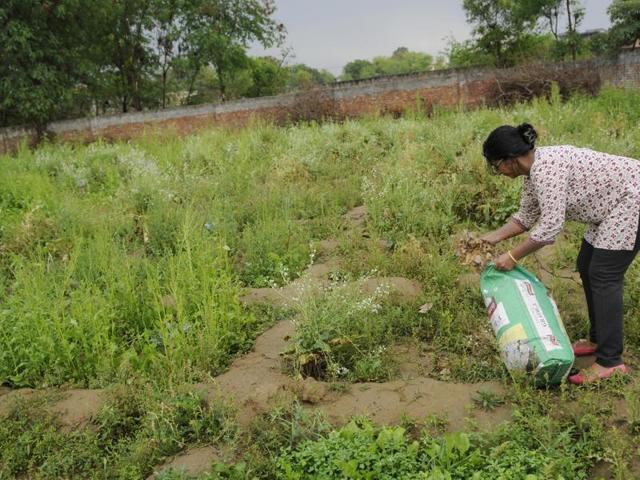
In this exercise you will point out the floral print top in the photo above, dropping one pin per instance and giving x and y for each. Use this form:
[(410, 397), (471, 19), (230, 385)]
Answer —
[(595, 188)]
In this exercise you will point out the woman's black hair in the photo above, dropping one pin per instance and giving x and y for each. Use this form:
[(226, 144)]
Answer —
[(509, 142)]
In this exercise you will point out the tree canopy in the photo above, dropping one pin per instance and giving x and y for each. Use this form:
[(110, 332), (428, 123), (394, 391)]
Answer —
[(625, 22), (512, 32), (44, 57), (68, 58), (73, 57), (401, 61)]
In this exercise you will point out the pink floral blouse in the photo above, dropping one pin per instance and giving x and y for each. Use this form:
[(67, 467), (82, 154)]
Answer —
[(579, 184)]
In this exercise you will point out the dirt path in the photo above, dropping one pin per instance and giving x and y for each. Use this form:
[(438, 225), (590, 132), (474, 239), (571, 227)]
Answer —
[(255, 381), (192, 462)]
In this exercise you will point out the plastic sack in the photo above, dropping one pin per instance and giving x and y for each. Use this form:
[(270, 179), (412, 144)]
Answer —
[(527, 324)]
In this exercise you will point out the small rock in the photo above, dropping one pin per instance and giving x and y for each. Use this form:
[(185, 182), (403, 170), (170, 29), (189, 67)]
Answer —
[(425, 308)]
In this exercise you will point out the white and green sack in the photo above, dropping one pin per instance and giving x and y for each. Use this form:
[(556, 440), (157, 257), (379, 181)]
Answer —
[(527, 324)]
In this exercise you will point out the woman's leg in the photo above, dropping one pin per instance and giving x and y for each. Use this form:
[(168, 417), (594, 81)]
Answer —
[(605, 279), (582, 263)]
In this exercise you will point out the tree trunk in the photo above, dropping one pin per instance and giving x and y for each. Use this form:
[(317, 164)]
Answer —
[(166, 47), (192, 82), (551, 27), (571, 27), (221, 85), (552, 16), (164, 89), (568, 3)]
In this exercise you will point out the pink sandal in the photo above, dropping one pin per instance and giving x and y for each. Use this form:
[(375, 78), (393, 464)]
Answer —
[(582, 350), (587, 375)]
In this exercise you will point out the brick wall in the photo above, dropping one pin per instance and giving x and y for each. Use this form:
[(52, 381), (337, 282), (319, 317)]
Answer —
[(391, 95)]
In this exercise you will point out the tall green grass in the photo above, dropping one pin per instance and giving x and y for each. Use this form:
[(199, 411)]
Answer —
[(129, 258)]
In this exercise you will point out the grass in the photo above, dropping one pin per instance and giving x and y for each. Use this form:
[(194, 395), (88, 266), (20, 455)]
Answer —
[(122, 266), (133, 432)]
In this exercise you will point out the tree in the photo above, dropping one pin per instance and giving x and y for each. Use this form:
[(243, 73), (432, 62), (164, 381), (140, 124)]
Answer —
[(467, 54), (218, 33), (60, 58), (575, 13), (550, 11), (625, 22), (268, 77), (168, 22), (499, 26), (402, 60), (128, 50), (357, 69), (43, 58), (304, 76), (554, 12), (513, 31)]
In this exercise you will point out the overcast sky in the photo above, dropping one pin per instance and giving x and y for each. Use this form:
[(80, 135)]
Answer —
[(330, 33)]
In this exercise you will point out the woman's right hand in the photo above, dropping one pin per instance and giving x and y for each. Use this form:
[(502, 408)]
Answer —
[(491, 238)]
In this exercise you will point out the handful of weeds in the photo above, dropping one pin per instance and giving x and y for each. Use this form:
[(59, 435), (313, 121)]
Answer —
[(473, 251)]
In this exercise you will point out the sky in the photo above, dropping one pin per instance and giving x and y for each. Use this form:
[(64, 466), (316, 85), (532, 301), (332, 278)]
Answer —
[(328, 34)]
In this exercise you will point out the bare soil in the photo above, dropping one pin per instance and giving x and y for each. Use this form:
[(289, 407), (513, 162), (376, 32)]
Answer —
[(193, 462), (357, 217), (78, 407), (255, 382)]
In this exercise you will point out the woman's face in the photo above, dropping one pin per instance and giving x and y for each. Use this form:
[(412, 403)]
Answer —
[(509, 168)]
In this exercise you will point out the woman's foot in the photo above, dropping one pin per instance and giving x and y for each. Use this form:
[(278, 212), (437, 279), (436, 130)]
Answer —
[(583, 347), (595, 373)]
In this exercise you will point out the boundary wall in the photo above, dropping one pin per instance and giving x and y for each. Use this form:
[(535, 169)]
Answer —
[(470, 87)]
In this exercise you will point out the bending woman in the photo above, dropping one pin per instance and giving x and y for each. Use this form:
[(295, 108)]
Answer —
[(570, 183)]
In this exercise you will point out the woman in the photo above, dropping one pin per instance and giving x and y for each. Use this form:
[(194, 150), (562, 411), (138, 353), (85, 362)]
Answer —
[(598, 189)]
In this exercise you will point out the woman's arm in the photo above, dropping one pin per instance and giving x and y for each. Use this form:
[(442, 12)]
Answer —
[(506, 262), (508, 230)]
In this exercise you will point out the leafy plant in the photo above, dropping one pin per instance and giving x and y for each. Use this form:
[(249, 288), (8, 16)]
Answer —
[(341, 333), (487, 400)]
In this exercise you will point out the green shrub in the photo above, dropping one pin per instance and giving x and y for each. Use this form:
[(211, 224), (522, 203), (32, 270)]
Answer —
[(131, 434), (527, 449), (342, 333)]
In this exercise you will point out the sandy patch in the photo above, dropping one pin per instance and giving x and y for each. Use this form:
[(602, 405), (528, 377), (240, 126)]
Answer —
[(357, 216), (387, 403), (194, 461), (78, 407)]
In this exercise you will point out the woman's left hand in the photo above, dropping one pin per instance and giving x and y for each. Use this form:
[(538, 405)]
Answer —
[(505, 263)]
